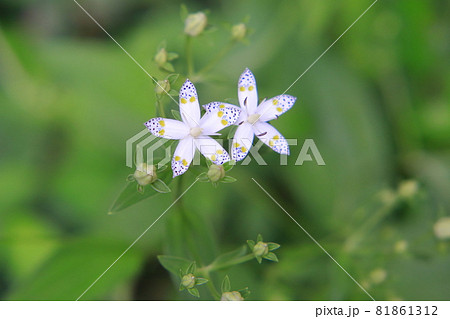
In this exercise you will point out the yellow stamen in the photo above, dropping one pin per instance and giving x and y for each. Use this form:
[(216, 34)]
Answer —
[(220, 114), (275, 102), (222, 106), (250, 88), (183, 100), (213, 157), (224, 122), (184, 162), (276, 137), (177, 158), (243, 149), (219, 152), (162, 132), (242, 89), (192, 99), (271, 143), (279, 109), (162, 123), (236, 145)]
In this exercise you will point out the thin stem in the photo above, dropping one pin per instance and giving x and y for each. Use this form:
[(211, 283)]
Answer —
[(240, 260), (160, 107), (189, 58), (212, 288)]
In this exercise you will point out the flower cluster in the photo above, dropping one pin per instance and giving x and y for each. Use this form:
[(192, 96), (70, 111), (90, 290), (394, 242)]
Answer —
[(194, 131)]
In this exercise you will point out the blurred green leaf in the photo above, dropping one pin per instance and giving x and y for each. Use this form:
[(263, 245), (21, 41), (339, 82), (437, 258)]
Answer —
[(173, 264)]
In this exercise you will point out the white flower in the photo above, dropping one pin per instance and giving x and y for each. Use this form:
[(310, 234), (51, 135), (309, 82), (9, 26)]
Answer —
[(193, 132), (253, 119)]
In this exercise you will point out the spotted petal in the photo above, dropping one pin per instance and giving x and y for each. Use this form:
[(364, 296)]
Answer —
[(242, 141), (212, 150), (219, 117), (189, 106), (247, 93), (167, 128), (274, 107), (271, 137), (182, 158)]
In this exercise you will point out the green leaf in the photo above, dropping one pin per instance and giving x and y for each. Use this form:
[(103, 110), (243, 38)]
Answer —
[(183, 12), (231, 132), (228, 179), (172, 56), (226, 258), (271, 256), (200, 281), (51, 280), (173, 264), (191, 269), (172, 78), (228, 166), (130, 196), (176, 115), (244, 292), (226, 285), (160, 186), (259, 238), (130, 178), (194, 292), (251, 244), (168, 67), (259, 259), (273, 246), (173, 92)]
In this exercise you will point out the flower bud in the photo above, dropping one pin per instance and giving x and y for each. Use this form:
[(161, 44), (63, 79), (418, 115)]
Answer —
[(215, 173), (238, 31), (407, 189), (162, 87), (195, 24), (442, 228), (161, 57), (231, 296), (145, 174), (260, 249), (188, 281)]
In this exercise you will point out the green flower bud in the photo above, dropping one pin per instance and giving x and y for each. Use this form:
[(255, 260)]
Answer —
[(145, 174), (238, 31), (161, 57), (231, 296), (162, 87), (260, 249), (407, 189), (188, 281), (195, 24), (216, 173)]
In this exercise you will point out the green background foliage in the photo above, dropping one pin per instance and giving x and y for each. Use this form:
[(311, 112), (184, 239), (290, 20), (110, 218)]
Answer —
[(376, 106)]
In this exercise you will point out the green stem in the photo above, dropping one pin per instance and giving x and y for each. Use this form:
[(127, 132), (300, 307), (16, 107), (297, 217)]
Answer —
[(160, 108), (189, 58), (214, 267), (212, 288)]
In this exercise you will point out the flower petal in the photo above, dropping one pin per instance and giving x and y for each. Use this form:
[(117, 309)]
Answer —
[(242, 141), (271, 137), (274, 107), (182, 158), (247, 93), (212, 150), (167, 128), (189, 106), (218, 116)]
